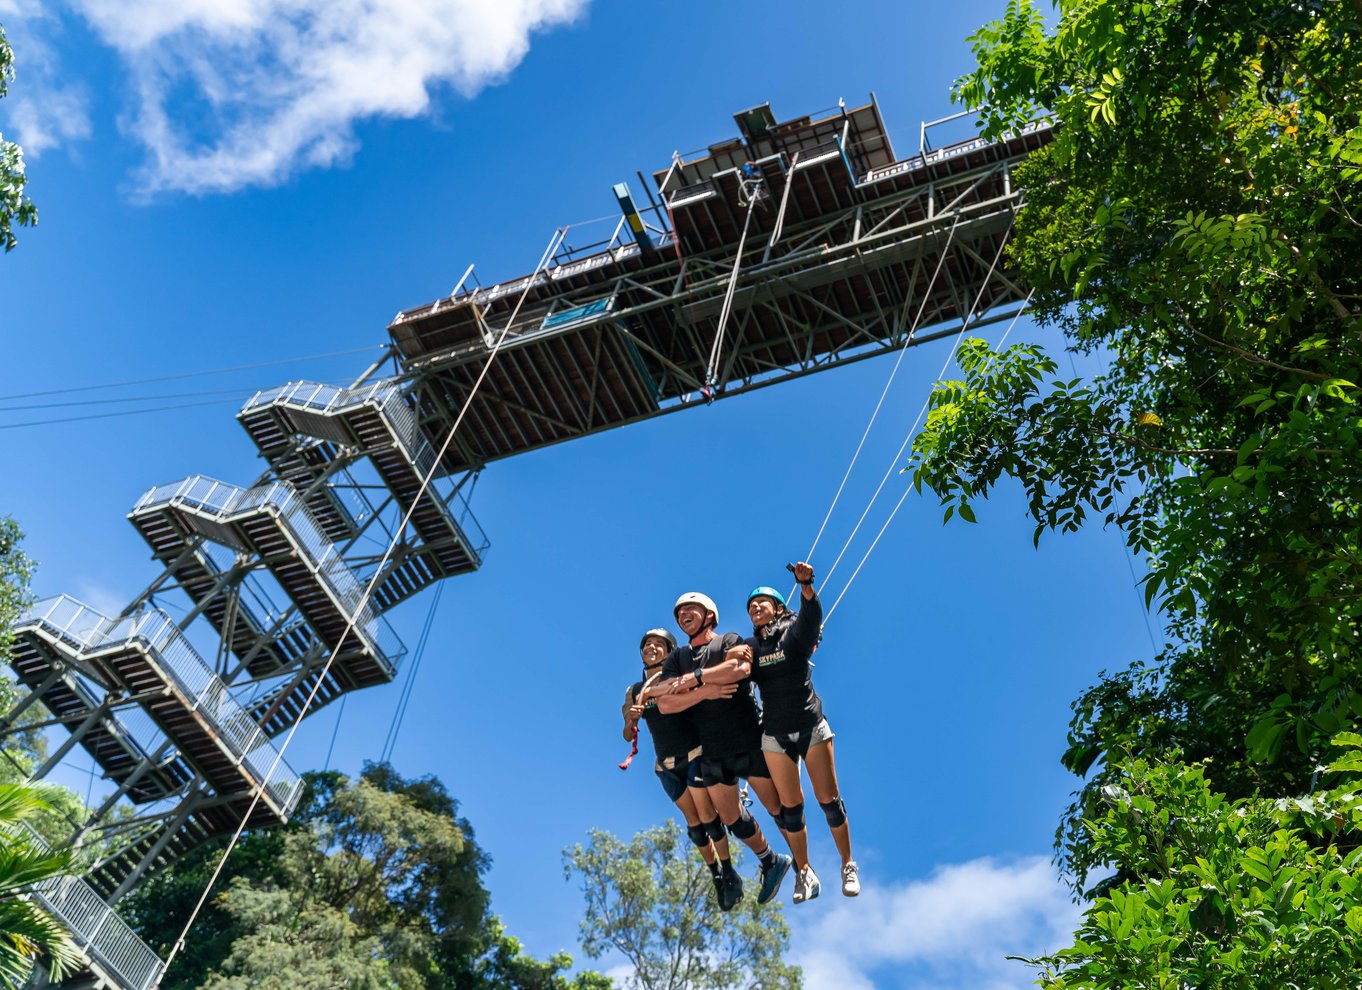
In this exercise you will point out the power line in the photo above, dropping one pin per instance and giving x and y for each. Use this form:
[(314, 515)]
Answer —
[(197, 374), (112, 415)]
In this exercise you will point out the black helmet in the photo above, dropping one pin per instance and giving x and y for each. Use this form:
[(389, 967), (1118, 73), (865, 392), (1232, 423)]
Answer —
[(662, 634)]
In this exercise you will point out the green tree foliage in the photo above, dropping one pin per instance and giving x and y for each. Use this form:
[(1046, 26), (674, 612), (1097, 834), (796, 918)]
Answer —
[(1247, 893), (652, 900), (374, 883), (1196, 220), (16, 209), (27, 932), (1195, 225)]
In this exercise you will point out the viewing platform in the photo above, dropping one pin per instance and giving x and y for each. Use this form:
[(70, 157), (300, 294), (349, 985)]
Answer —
[(843, 240)]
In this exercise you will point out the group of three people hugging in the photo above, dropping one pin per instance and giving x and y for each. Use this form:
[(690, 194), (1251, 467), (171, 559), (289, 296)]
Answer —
[(709, 731)]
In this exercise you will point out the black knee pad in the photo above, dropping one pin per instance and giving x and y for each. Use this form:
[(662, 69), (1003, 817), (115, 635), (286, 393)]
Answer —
[(836, 811), (791, 819), (698, 835), (745, 827), (714, 829)]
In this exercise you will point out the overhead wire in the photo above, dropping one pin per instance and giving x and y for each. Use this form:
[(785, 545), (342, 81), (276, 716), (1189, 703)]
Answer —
[(908, 437), (400, 712), (907, 342), (195, 374), (558, 236), (908, 490)]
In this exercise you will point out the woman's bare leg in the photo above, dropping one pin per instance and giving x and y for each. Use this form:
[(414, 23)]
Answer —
[(823, 777), (784, 783)]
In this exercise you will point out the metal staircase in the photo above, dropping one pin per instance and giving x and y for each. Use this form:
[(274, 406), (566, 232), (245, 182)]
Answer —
[(286, 582), (275, 574)]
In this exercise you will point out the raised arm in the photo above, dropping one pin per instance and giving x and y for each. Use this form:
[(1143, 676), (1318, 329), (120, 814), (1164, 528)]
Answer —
[(804, 631)]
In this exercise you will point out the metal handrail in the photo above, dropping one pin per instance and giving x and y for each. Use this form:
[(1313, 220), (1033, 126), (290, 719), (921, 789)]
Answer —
[(386, 397), (156, 633), (98, 930)]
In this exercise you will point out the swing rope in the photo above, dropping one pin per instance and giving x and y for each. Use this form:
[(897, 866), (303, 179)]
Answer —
[(908, 437), (554, 242), (907, 342), (909, 489), (712, 369)]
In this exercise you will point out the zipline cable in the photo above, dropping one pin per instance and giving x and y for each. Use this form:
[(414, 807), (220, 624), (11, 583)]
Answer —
[(558, 236), (908, 490), (908, 437), (115, 415), (907, 342)]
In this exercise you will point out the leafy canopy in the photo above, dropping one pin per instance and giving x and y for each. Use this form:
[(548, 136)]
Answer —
[(16, 209), (651, 899), (1195, 223)]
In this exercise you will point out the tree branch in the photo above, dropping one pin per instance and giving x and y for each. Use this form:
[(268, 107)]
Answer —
[(1258, 358)]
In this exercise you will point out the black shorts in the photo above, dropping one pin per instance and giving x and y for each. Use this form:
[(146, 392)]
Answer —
[(681, 774), (726, 770)]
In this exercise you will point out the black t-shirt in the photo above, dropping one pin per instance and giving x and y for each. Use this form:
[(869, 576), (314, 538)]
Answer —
[(780, 668), (727, 726), (674, 735)]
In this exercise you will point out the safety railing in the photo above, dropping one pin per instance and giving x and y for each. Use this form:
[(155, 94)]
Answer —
[(225, 502), (696, 190), (387, 398), (104, 937), (156, 632), (79, 627)]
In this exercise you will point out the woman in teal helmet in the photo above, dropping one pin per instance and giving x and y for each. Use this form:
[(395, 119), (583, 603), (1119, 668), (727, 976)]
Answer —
[(793, 726)]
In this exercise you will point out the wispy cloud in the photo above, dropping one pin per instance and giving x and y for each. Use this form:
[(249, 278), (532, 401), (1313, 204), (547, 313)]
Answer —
[(233, 93), (45, 108), (950, 931)]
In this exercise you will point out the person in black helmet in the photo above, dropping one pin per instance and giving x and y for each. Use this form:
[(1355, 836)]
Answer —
[(793, 726), (729, 726), (677, 745)]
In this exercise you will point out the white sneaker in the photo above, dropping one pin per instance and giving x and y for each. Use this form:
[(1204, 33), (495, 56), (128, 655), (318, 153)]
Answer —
[(806, 885), (851, 880)]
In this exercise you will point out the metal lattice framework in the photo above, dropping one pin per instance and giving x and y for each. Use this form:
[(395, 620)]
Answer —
[(179, 711)]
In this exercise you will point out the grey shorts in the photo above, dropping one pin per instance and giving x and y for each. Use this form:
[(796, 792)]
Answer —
[(796, 745)]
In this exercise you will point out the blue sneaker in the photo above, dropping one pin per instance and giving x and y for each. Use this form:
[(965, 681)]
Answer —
[(772, 876)]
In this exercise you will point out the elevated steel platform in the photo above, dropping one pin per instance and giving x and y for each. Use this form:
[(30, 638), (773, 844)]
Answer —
[(843, 241), (842, 238)]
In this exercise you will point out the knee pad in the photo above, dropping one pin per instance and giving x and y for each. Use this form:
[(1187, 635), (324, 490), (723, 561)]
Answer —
[(698, 836), (714, 829), (791, 819), (835, 811), (745, 827)]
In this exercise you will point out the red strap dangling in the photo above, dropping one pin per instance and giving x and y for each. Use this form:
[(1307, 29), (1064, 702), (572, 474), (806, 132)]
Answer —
[(633, 751)]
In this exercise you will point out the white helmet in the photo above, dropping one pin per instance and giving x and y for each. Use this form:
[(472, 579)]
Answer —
[(696, 598)]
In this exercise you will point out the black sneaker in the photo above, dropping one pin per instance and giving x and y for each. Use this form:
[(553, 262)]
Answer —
[(731, 891), (772, 876), (718, 879)]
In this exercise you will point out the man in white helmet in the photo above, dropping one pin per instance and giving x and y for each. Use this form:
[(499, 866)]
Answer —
[(729, 727)]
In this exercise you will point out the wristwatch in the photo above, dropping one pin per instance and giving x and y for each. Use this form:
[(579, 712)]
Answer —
[(699, 679)]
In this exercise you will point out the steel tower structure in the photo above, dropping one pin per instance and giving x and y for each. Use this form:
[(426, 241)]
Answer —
[(796, 246)]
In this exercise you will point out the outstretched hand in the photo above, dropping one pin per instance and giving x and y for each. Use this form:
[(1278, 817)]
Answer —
[(804, 575)]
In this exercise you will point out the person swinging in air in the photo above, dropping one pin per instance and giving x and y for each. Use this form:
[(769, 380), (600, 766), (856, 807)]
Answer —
[(677, 745), (696, 678), (793, 726)]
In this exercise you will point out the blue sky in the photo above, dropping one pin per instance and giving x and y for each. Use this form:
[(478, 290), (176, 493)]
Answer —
[(223, 185)]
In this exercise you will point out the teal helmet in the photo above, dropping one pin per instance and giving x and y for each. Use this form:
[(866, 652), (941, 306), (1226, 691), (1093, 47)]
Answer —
[(769, 592)]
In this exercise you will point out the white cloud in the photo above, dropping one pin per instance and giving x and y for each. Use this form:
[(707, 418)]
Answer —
[(234, 93), (950, 931), (44, 109)]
